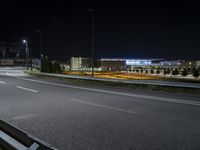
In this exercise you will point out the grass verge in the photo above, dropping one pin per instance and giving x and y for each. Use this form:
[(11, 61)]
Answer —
[(161, 88)]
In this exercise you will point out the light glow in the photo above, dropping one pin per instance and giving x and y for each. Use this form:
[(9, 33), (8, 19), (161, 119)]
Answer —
[(138, 62)]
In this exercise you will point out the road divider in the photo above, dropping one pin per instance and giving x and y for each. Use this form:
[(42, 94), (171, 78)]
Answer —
[(13, 138), (149, 83)]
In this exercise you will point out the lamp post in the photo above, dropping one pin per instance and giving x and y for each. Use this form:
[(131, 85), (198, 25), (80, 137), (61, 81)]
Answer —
[(3, 53), (17, 56), (91, 11), (26, 43), (40, 34), (41, 55)]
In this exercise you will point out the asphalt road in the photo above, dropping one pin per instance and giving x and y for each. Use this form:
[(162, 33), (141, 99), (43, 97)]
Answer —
[(79, 116)]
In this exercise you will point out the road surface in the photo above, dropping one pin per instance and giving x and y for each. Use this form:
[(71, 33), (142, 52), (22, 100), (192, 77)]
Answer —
[(77, 116)]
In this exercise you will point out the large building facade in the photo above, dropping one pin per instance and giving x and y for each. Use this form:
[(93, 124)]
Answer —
[(126, 64), (110, 64), (80, 63), (8, 49), (180, 64)]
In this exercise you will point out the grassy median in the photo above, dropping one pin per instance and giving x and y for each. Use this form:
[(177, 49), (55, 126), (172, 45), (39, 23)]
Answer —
[(123, 85)]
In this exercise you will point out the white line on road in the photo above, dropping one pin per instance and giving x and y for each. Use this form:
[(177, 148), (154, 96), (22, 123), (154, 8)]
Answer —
[(172, 100), (23, 88), (102, 106), (2, 82)]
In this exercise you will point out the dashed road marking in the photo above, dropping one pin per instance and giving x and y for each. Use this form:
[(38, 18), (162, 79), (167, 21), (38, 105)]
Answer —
[(27, 89)]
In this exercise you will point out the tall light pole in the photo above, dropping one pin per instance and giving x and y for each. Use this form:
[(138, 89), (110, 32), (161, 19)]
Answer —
[(40, 34), (91, 11), (3, 53), (26, 43), (17, 56)]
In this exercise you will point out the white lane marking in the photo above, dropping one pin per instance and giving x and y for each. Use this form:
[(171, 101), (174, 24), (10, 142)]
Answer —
[(172, 100), (102, 106), (24, 117), (27, 89), (2, 82)]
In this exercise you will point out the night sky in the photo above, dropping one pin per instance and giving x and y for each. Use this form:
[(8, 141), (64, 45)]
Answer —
[(141, 29)]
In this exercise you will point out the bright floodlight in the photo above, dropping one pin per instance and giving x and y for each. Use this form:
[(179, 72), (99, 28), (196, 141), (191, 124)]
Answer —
[(24, 41)]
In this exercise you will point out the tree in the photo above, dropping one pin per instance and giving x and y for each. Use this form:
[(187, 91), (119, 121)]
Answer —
[(195, 72), (175, 71), (57, 68), (152, 71), (166, 71), (50, 67), (184, 72), (158, 71), (146, 71), (141, 70), (45, 65), (63, 68)]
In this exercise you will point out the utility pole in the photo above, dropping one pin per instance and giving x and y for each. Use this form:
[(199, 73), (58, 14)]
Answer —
[(3, 53), (91, 11), (40, 34)]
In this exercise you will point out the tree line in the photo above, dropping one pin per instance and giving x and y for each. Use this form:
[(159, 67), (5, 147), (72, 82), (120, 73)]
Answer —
[(50, 66), (173, 71)]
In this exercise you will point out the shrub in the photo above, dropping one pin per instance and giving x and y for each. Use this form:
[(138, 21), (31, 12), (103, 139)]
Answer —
[(57, 68), (166, 71), (49, 67), (152, 71), (158, 71), (184, 72), (175, 72), (195, 72), (46, 65)]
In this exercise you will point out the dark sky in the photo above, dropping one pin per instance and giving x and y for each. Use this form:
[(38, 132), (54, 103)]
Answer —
[(140, 29)]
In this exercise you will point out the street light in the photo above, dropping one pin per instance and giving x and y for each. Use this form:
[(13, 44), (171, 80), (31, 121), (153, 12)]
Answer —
[(26, 43), (17, 56), (91, 11), (40, 34)]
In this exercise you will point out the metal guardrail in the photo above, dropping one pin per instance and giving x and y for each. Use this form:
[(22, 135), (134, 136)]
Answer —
[(13, 138), (146, 82)]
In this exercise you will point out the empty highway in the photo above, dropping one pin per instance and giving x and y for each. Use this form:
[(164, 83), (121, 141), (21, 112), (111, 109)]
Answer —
[(77, 116)]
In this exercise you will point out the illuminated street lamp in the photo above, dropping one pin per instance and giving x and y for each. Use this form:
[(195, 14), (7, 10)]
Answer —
[(26, 43)]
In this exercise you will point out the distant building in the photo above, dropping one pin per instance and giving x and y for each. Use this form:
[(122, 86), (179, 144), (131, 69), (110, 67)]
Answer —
[(8, 49), (170, 64), (181, 64), (124, 64), (79, 63), (190, 64), (117, 64)]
